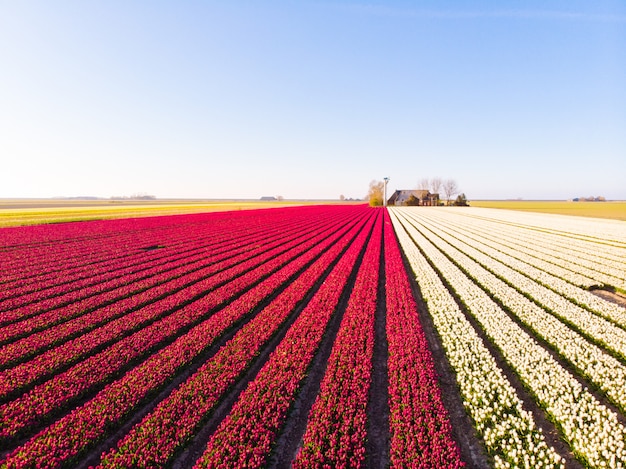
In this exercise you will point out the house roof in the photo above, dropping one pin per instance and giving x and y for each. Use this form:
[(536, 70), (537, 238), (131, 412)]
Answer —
[(403, 195)]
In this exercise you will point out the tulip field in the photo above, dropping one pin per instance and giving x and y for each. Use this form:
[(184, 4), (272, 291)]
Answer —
[(315, 336)]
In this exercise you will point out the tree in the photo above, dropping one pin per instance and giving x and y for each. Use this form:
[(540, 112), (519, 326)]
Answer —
[(376, 193), (435, 185), (461, 201), (342, 197), (423, 184), (450, 188)]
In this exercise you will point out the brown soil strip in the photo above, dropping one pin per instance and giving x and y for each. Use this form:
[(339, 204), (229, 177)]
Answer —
[(613, 297), (290, 438), (471, 446), (377, 448)]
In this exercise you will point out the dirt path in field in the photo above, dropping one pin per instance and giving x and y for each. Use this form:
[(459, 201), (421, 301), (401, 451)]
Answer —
[(290, 438), (613, 297), (289, 441), (472, 449), (378, 406)]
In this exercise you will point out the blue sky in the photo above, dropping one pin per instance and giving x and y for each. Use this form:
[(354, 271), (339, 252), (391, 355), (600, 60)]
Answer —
[(312, 99)]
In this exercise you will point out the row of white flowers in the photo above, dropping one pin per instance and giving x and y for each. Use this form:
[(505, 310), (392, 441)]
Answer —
[(563, 243), (606, 247), (480, 231), (598, 328), (595, 260), (606, 372), (598, 253), (592, 430), (544, 273), (609, 231), (509, 432)]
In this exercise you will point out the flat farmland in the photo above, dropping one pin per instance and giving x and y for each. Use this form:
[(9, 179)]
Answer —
[(615, 210), (314, 336), (538, 358), (20, 212)]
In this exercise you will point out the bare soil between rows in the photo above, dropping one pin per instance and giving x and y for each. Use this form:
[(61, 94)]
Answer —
[(613, 297)]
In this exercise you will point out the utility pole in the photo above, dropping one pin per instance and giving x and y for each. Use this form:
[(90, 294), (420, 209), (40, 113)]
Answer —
[(385, 191)]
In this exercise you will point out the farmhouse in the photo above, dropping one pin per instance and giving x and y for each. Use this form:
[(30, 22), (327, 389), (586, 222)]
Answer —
[(413, 197)]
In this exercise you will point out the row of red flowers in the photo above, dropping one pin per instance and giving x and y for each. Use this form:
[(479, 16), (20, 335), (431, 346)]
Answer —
[(78, 430), (154, 441), (177, 281), (82, 259), (74, 298), (337, 427), (36, 251), (97, 264), (245, 436), (419, 425), (63, 389)]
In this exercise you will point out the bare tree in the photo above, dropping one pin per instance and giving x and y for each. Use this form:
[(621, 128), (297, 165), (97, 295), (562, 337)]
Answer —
[(435, 185), (423, 184), (375, 194), (450, 188)]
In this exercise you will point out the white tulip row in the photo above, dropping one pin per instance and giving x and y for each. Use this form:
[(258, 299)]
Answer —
[(597, 253), (523, 263), (509, 431), (599, 329), (592, 430), (606, 372), (476, 231), (561, 242), (561, 238), (612, 231), (558, 240), (590, 259)]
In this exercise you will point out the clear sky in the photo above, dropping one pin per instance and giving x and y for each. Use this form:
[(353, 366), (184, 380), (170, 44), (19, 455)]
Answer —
[(312, 99)]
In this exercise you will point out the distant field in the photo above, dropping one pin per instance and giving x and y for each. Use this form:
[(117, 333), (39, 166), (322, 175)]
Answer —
[(17, 212), (612, 210)]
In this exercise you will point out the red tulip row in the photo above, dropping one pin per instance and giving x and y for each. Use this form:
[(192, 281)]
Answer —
[(20, 241), (62, 389), (337, 427), (25, 374), (160, 285), (119, 238), (31, 245), (111, 269), (419, 426), (245, 436), (45, 276), (180, 241), (78, 430), (75, 303), (95, 256), (72, 294), (34, 253), (155, 440), (38, 256)]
